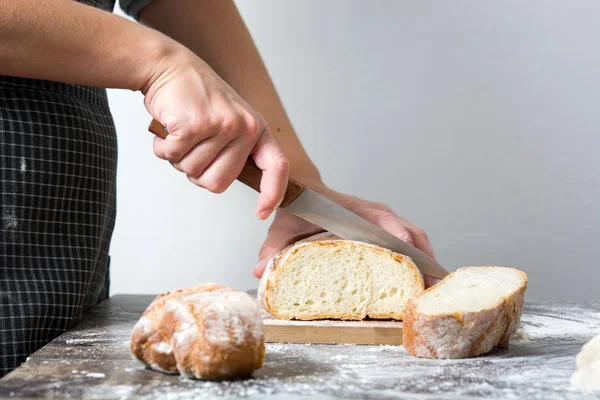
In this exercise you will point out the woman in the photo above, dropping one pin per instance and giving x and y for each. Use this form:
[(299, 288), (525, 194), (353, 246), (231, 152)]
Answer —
[(58, 144)]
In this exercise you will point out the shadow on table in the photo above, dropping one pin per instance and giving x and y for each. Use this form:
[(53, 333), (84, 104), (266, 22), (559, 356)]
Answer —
[(283, 366)]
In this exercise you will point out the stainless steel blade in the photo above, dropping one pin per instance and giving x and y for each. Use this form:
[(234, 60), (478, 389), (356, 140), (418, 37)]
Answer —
[(334, 218)]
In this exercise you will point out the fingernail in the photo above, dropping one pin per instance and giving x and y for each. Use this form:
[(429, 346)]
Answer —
[(264, 214)]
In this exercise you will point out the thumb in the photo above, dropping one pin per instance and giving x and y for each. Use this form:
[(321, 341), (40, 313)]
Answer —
[(277, 240), (269, 157), (285, 230)]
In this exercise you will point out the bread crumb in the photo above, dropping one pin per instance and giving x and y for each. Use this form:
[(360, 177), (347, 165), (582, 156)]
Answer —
[(521, 336)]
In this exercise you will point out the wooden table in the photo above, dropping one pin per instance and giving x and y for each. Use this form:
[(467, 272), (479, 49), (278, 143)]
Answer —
[(93, 361)]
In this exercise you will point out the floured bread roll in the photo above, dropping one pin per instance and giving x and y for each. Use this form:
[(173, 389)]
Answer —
[(588, 365), (207, 331), (468, 313), (326, 277)]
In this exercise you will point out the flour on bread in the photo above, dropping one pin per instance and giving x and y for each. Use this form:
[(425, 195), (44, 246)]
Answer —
[(207, 332), (468, 313)]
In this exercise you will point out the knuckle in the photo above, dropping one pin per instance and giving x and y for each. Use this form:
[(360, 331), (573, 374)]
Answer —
[(158, 152), (170, 154), (252, 126), (216, 184), (385, 216), (196, 123), (352, 203), (382, 206), (282, 163), (192, 170), (264, 249), (420, 232), (406, 237), (229, 124)]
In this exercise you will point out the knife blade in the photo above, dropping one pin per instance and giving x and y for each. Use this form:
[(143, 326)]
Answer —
[(325, 213)]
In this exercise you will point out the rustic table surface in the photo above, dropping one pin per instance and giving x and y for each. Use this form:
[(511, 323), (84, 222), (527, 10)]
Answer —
[(93, 361)]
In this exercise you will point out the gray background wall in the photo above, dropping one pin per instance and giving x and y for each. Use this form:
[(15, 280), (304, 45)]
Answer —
[(478, 121)]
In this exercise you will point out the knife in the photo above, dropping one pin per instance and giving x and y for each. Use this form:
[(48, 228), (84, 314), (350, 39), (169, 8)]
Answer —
[(319, 210)]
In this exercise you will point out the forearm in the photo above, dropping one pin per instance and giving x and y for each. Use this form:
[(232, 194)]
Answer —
[(214, 30), (65, 41)]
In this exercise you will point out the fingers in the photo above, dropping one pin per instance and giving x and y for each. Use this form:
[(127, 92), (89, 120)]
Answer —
[(212, 146), (276, 240), (200, 157), (212, 131), (388, 221), (406, 231), (183, 137), (224, 169), (269, 157), (420, 239), (384, 217), (430, 281)]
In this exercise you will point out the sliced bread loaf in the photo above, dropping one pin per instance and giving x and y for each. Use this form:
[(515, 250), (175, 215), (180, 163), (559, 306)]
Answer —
[(468, 313), (326, 277)]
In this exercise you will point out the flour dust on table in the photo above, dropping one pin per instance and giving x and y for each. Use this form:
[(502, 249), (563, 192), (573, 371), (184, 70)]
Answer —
[(536, 369)]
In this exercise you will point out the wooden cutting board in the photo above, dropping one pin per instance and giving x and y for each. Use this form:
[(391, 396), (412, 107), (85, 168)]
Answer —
[(332, 331)]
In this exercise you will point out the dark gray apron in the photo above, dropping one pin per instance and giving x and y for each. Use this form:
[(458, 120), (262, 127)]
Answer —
[(58, 159)]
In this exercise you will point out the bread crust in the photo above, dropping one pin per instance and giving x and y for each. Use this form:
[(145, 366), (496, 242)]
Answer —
[(208, 331), (463, 335), (278, 263)]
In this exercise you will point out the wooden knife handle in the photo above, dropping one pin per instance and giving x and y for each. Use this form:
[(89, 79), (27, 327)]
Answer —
[(250, 175)]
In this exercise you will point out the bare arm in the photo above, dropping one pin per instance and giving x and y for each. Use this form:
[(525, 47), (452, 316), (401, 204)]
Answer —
[(65, 41), (215, 31), (213, 130)]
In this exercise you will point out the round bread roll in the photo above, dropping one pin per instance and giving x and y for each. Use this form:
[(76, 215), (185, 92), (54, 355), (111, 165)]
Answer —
[(207, 331)]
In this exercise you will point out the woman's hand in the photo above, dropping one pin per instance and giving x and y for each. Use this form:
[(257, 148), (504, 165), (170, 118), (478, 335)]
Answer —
[(212, 130), (287, 228)]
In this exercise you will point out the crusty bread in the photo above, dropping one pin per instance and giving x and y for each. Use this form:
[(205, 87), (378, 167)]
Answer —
[(468, 313), (207, 331), (587, 374), (326, 277)]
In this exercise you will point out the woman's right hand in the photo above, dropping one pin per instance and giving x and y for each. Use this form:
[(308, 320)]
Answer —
[(212, 130)]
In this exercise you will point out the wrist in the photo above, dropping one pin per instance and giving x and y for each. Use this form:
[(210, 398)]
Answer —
[(162, 54)]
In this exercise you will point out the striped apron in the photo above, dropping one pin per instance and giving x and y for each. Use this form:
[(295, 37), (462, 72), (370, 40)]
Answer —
[(58, 159)]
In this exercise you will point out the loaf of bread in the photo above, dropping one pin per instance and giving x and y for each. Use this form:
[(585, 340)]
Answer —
[(207, 331), (468, 313), (588, 365), (326, 277)]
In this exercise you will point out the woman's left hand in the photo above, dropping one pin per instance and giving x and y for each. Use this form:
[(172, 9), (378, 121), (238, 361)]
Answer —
[(287, 228)]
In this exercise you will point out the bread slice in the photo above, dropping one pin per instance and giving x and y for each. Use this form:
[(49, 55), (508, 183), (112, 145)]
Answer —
[(326, 277), (468, 313)]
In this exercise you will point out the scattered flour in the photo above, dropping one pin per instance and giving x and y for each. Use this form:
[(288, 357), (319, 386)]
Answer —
[(521, 336), (535, 369), (95, 375), (10, 218), (339, 357), (163, 347), (79, 341)]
